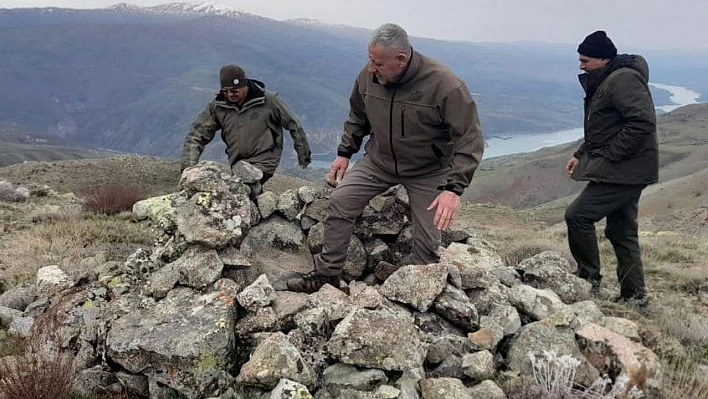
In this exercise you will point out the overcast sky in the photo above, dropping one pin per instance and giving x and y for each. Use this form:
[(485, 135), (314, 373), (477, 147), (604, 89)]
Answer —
[(630, 23)]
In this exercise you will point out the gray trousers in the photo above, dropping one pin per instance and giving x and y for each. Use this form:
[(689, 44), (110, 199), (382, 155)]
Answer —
[(347, 202)]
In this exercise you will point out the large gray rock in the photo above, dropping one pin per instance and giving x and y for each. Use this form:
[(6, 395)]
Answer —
[(7, 315), (471, 259), (478, 365), (246, 172), (536, 303), (289, 204), (535, 339), (444, 388), (377, 339), (154, 208), (549, 270), (356, 260), (185, 341), (275, 358), (96, 381), (507, 317), (287, 389), (342, 376), (257, 295), (19, 297), (198, 267), (416, 285), (215, 220), (587, 312), (454, 305), (487, 390), (206, 176), (52, 280), (267, 203), (618, 356), (277, 248)]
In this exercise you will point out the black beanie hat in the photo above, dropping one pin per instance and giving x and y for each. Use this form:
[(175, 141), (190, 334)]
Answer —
[(232, 76), (598, 45)]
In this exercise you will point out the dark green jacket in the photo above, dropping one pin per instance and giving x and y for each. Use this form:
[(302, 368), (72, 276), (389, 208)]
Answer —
[(620, 144), (425, 122), (252, 133)]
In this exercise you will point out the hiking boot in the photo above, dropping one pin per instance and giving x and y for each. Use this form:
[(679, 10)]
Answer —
[(638, 302), (311, 282)]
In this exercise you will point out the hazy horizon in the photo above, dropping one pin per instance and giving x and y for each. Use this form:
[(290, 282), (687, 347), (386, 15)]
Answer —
[(650, 24)]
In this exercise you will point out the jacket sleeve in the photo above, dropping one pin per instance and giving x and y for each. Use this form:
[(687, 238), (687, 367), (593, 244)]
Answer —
[(460, 114), (201, 133), (580, 151), (357, 125), (291, 123), (632, 99)]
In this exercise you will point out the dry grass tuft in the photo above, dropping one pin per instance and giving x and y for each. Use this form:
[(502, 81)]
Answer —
[(39, 372), (66, 242), (683, 379), (110, 200)]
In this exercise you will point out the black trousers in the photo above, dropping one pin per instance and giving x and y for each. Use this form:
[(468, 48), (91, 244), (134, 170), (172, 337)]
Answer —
[(619, 204)]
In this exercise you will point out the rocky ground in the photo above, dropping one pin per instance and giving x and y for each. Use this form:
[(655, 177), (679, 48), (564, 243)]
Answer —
[(202, 310)]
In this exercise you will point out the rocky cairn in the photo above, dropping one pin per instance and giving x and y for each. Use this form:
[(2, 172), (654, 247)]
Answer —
[(205, 312)]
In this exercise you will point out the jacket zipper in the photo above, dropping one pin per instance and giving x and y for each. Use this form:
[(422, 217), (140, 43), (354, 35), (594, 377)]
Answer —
[(390, 132), (403, 125)]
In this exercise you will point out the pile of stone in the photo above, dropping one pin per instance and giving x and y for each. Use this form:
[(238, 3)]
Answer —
[(205, 313)]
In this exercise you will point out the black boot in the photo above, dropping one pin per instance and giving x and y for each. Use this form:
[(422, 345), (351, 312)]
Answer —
[(311, 282)]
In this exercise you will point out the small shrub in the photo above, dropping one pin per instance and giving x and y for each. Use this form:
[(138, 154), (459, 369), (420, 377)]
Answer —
[(110, 200), (39, 372), (517, 254), (9, 193)]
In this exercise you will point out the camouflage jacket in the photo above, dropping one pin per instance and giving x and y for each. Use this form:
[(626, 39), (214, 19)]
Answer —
[(252, 133)]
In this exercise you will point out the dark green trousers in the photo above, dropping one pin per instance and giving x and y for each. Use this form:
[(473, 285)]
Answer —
[(618, 203)]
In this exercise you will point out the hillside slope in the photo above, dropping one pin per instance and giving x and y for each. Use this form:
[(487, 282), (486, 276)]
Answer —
[(538, 179)]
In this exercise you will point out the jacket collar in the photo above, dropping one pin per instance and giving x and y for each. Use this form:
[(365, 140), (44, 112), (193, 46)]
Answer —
[(255, 96)]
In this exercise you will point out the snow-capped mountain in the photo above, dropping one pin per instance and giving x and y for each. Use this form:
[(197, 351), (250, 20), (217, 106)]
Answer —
[(183, 9)]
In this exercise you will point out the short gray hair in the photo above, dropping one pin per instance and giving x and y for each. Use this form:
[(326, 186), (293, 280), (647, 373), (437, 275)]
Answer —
[(393, 36)]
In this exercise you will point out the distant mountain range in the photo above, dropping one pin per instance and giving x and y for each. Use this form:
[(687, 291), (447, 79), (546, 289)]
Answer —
[(130, 78)]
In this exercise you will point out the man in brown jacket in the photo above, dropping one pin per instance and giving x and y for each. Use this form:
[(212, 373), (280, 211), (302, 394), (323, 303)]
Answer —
[(424, 133), (618, 158), (251, 120)]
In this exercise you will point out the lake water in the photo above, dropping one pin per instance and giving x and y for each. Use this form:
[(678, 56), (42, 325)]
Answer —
[(529, 142)]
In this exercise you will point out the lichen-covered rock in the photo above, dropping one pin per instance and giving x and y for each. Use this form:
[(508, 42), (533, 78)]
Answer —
[(478, 365), (616, 355), (487, 390), (154, 208), (184, 341), (51, 280), (624, 327), (543, 336), (507, 317), (257, 295), (289, 204), (246, 172), (267, 203), (275, 358), (444, 388), (287, 389), (19, 297), (587, 312), (416, 285), (371, 338), (356, 260), (7, 315), (549, 270), (536, 303), (215, 220)]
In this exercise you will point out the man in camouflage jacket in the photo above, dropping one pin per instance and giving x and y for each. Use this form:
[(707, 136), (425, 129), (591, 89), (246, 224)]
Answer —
[(251, 120)]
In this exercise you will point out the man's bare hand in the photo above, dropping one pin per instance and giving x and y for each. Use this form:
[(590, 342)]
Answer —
[(447, 204), (337, 170), (570, 166)]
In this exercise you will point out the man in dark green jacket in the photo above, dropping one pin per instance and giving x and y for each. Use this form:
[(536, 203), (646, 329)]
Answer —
[(618, 158), (424, 133), (251, 120)]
